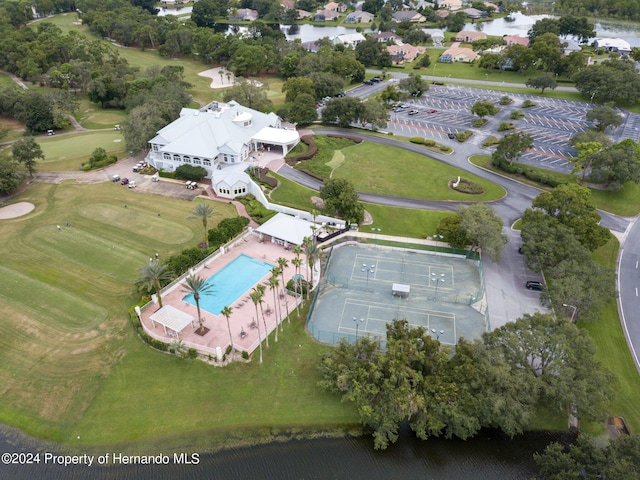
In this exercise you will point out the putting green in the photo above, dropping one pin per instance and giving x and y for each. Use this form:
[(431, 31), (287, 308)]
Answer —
[(69, 151)]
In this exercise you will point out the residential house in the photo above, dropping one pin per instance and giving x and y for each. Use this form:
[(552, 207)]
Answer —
[(325, 16), (359, 17), (245, 14), (612, 45), (349, 39), (437, 36), (475, 13), (516, 40), (570, 45), (216, 136), (452, 5), (302, 14), (408, 16), (335, 7), (469, 36), (442, 13), (287, 4), (311, 47), (458, 54), (495, 7), (404, 53), (387, 37)]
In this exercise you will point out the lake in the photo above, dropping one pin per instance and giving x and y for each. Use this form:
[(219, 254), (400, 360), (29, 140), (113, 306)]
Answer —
[(490, 456)]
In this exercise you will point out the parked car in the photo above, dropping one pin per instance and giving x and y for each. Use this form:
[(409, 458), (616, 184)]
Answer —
[(132, 184), (124, 181), (376, 80), (413, 112), (534, 285), (368, 82), (115, 178), (432, 110), (451, 135), (50, 132)]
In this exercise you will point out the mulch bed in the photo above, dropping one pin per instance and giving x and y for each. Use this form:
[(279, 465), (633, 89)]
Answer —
[(202, 331)]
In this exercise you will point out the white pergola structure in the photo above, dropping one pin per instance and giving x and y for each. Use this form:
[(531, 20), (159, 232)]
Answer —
[(172, 318), (287, 139)]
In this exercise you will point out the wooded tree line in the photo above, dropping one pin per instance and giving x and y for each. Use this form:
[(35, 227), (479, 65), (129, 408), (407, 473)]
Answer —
[(495, 382), (622, 9)]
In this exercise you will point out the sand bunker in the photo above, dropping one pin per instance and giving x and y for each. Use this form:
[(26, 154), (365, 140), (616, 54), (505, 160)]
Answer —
[(16, 210), (226, 80)]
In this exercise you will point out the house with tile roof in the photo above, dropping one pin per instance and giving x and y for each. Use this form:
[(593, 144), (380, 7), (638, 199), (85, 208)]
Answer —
[(408, 16), (451, 4), (469, 36), (335, 7), (458, 54), (359, 17), (349, 39), (216, 136), (387, 37), (404, 53), (516, 40)]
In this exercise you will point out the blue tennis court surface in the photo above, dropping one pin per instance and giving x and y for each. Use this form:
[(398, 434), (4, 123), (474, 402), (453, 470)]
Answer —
[(230, 283)]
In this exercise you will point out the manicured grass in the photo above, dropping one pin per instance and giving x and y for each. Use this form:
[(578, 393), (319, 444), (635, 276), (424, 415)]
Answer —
[(69, 362), (70, 151), (91, 116), (404, 222), (390, 171), (292, 194), (613, 351), (626, 202)]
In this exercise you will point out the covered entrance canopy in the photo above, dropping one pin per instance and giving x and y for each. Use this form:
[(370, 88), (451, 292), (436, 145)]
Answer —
[(287, 139), (172, 318)]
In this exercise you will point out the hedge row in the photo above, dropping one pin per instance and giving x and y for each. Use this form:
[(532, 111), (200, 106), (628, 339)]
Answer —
[(137, 326), (348, 137), (529, 173), (427, 142), (313, 149), (255, 209), (226, 230)]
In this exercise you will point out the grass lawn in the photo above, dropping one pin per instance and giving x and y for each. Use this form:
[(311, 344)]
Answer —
[(90, 115), (626, 202), (400, 173), (404, 222), (292, 194), (70, 151), (69, 362)]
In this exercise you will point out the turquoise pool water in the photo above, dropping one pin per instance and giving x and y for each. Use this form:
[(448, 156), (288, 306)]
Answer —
[(231, 283)]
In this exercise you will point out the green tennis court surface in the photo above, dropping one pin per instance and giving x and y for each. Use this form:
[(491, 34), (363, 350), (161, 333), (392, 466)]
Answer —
[(365, 287)]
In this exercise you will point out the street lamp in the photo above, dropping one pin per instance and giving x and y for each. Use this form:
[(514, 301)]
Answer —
[(436, 238), (574, 310), (438, 281), (355, 320), (368, 270), (437, 333)]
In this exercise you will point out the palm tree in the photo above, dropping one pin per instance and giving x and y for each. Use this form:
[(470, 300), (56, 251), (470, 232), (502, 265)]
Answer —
[(297, 262), (274, 283), (196, 285), (261, 288), (151, 275), (202, 212), (284, 263), (255, 298), (226, 312), (311, 251)]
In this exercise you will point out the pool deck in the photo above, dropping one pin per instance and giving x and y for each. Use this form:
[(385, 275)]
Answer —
[(243, 310)]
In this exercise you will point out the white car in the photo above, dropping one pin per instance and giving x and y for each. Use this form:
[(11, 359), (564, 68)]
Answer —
[(132, 184)]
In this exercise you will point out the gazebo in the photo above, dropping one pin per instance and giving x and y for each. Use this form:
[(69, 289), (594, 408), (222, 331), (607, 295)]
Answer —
[(172, 318)]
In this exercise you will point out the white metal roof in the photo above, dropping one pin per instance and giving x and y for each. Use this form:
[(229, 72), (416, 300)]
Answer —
[(287, 228), (276, 136), (171, 317)]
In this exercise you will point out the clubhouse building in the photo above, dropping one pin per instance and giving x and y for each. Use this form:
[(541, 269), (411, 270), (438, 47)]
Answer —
[(218, 136)]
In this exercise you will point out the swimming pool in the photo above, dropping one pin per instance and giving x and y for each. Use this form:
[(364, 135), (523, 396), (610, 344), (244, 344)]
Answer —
[(231, 283)]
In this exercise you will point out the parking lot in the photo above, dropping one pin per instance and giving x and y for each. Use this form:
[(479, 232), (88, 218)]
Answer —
[(551, 122)]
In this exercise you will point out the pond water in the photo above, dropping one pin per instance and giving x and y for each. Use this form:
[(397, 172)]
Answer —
[(522, 23), (490, 455)]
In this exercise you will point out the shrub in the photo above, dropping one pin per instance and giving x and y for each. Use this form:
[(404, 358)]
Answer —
[(479, 122), (164, 174), (226, 230), (192, 353), (310, 153), (189, 172), (505, 100), (429, 142), (444, 148), (489, 142), (245, 355), (467, 186), (462, 136), (179, 264), (505, 126), (348, 137), (516, 115), (529, 173), (528, 104), (256, 210), (228, 350), (300, 286), (418, 140)]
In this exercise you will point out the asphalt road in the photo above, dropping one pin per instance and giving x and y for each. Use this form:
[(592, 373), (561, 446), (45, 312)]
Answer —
[(628, 289)]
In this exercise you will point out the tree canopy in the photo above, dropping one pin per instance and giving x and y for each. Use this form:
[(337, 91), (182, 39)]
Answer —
[(340, 198)]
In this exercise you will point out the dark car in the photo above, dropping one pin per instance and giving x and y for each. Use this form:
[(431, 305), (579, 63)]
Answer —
[(534, 285), (368, 82), (451, 135), (124, 181), (375, 80), (432, 110)]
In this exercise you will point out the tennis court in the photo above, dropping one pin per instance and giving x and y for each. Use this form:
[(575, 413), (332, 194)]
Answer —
[(365, 287)]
